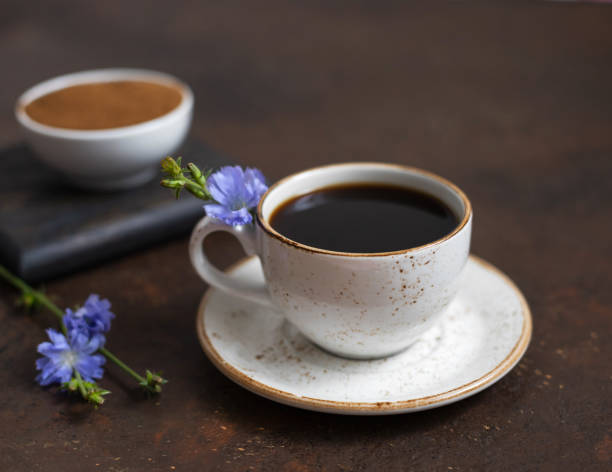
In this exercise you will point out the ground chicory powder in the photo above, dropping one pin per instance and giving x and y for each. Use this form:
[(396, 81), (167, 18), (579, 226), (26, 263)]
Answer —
[(104, 105)]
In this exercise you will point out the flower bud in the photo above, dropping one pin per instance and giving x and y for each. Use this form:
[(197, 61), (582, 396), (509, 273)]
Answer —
[(194, 189), (197, 174), (170, 183), (171, 167)]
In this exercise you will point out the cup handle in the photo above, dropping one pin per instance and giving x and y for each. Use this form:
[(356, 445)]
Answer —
[(254, 291)]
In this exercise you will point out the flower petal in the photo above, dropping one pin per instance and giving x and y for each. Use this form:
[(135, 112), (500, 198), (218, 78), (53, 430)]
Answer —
[(97, 313), (78, 340), (229, 217), (44, 378), (75, 324), (46, 348), (256, 186), (52, 373), (41, 362), (56, 337), (90, 367), (227, 185), (63, 374), (215, 210), (95, 342)]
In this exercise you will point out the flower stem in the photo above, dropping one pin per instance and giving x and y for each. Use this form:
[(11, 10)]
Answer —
[(80, 384), (26, 289), (39, 297), (109, 355), (43, 300)]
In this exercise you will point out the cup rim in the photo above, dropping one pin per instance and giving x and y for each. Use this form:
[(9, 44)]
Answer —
[(102, 75), (272, 232)]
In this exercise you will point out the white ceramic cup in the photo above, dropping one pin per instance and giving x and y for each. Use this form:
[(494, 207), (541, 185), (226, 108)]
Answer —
[(350, 304)]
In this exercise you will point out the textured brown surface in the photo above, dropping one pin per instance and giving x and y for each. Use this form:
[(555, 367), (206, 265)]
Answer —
[(512, 103)]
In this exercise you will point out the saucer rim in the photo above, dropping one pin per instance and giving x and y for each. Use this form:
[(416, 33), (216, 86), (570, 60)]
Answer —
[(365, 408)]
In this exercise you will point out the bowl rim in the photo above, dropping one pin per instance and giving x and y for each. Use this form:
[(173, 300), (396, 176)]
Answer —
[(59, 82)]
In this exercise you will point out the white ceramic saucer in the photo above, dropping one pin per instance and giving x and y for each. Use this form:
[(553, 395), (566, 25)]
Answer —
[(483, 334)]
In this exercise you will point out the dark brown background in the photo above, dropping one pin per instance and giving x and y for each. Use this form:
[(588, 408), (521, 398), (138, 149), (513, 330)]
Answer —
[(513, 103)]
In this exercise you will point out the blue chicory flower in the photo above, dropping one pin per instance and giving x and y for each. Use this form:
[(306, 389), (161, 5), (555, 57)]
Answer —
[(94, 317), (62, 356), (235, 192)]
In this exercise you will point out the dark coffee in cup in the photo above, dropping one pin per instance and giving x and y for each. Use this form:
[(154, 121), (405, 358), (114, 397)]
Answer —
[(364, 218)]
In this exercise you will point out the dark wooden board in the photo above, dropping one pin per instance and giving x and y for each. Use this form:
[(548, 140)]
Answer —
[(48, 228)]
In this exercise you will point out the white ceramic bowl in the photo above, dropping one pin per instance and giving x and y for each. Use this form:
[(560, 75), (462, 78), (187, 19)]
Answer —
[(107, 159)]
